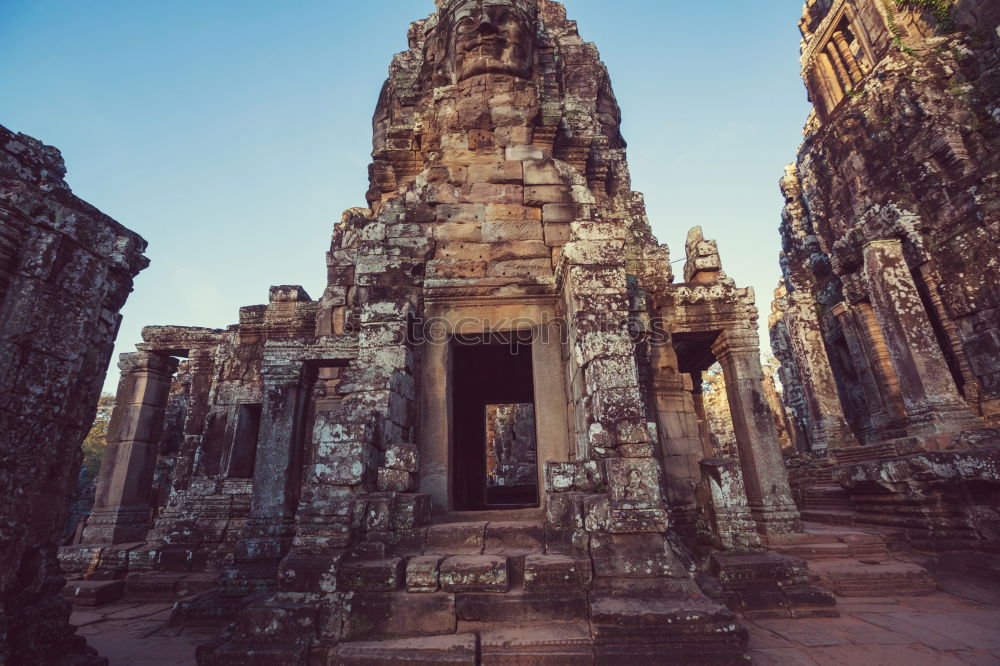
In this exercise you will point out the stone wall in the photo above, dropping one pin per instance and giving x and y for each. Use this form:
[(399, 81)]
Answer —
[(65, 272), (888, 313), (887, 318)]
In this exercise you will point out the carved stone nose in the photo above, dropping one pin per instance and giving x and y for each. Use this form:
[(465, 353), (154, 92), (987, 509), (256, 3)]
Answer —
[(487, 28)]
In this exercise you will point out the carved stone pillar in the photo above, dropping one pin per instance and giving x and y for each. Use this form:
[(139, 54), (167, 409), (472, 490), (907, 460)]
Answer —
[(123, 503), (764, 473), (878, 351), (926, 386), (863, 366), (827, 74), (277, 475), (971, 388), (828, 428), (840, 70), (844, 49)]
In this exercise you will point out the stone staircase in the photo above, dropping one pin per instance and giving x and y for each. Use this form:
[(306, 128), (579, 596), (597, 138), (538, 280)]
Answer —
[(827, 503), (492, 592), (519, 593), (855, 563)]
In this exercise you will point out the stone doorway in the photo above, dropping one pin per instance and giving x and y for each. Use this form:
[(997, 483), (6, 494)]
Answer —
[(494, 459)]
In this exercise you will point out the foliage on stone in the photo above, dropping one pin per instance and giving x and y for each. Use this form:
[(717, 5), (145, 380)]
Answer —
[(96, 440)]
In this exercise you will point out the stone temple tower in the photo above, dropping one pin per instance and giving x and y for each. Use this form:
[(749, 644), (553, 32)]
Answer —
[(493, 413)]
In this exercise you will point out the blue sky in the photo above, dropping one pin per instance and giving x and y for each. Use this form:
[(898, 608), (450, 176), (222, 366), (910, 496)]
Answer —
[(231, 134)]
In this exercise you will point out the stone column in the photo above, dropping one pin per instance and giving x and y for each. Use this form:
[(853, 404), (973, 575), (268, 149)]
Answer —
[(863, 367), (680, 437), (828, 75), (928, 390), (123, 503), (971, 388), (764, 473), (881, 365), (277, 475), (844, 49), (839, 68), (828, 428), (201, 364)]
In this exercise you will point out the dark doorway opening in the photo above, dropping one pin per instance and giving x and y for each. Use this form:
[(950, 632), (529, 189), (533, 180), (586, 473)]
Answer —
[(494, 455)]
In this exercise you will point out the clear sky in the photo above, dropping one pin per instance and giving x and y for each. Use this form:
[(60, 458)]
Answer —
[(231, 134)]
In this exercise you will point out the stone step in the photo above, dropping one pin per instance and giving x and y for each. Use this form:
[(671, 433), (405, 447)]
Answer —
[(453, 649), (455, 539), (384, 615), (851, 578), (385, 575), (521, 606), (423, 573), (557, 572), (169, 586), (94, 592), (671, 630), (814, 551), (475, 573), (537, 644), (829, 516)]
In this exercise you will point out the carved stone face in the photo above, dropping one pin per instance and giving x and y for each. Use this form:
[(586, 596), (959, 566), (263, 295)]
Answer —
[(491, 37)]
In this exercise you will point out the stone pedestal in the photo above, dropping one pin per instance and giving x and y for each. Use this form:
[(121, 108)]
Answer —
[(764, 474), (123, 503)]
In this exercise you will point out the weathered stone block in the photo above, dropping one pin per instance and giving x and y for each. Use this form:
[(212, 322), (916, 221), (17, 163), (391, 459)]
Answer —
[(539, 195), (462, 251), (511, 250), (541, 172), (493, 193), (500, 172), (402, 457), (422, 573), (375, 576), (520, 268), (494, 231), (455, 538), (511, 212), (524, 153), (475, 573), (395, 480), (455, 268)]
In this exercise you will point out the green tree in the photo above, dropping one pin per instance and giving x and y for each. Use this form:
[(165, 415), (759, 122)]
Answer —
[(96, 440)]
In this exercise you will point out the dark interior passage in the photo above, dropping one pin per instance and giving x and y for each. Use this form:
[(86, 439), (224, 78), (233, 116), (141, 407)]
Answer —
[(493, 392)]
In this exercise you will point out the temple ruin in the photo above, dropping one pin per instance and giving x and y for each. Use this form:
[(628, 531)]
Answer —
[(506, 432), (492, 414), (886, 318)]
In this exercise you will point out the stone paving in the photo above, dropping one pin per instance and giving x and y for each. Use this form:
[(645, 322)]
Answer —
[(137, 634), (939, 629)]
